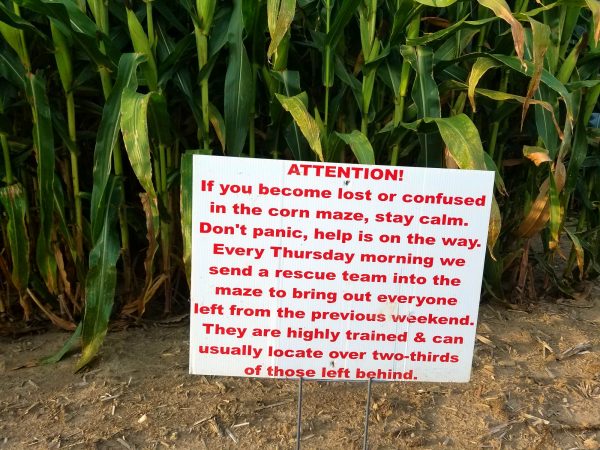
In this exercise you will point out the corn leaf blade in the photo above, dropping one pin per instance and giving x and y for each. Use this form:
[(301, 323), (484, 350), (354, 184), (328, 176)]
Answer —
[(43, 143), (238, 86), (13, 199), (307, 124), (101, 280), (360, 145)]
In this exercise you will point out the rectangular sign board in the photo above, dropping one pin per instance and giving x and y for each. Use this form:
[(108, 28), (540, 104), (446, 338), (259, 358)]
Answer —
[(336, 271)]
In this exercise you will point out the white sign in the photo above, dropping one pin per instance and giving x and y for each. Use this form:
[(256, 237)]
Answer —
[(336, 271)]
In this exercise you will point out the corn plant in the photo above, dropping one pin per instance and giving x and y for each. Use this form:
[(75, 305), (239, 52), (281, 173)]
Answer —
[(102, 104)]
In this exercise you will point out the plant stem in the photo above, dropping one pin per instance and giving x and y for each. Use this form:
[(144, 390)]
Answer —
[(370, 50), (327, 62), (150, 23), (202, 49), (165, 235), (103, 24), (75, 173), (399, 101), (23, 54), (5, 151), (496, 123)]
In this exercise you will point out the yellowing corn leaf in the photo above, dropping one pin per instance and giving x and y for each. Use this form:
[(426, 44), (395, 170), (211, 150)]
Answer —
[(450, 161), (437, 3), (296, 107), (464, 149), (481, 66), (504, 96), (541, 42), (280, 16), (539, 214), (218, 124), (537, 155), (502, 10), (594, 6), (579, 253), (494, 227)]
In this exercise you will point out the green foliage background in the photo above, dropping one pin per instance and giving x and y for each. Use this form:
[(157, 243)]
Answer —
[(102, 103)]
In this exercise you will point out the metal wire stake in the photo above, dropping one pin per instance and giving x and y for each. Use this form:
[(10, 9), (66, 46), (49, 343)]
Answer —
[(299, 422), (367, 414)]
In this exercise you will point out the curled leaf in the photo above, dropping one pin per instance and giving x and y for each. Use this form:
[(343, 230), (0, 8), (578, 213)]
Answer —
[(481, 66), (537, 155), (539, 214)]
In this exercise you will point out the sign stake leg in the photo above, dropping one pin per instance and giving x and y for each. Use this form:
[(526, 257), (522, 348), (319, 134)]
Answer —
[(367, 414), (299, 418)]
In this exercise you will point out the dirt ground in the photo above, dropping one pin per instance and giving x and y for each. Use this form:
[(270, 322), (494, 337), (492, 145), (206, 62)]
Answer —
[(535, 384)]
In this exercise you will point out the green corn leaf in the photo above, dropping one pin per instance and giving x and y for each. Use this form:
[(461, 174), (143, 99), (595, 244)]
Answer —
[(342, 17), (461, 25), (172, 56), (568, 65), (425, 90), (13, 199), (238, 86), (280, 14), (14, 38), (307, 124), (43, 143), (578, 155), (186, 208), (206, 11), (141, 44), (163, 8), (12, 20), (62, 54), (159, 125), (290, 86), (181, 76), (60, 212), (82, 29), (101, 279), (12, 69), (575, 85), (426, 96), (351, 81), (432, 37), (390, 72), (545, 120), (360, 145), (498, 181), (452, 48), (108, 130), (481, 66), (67, 347), (186, 211)]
